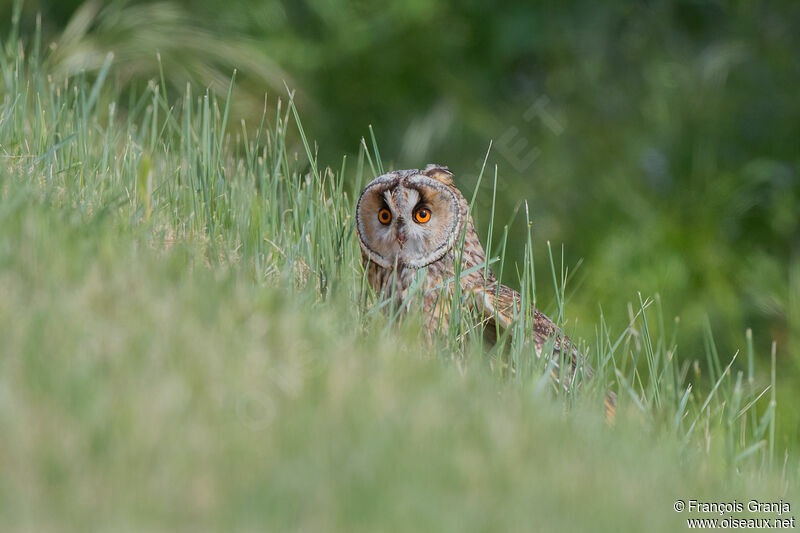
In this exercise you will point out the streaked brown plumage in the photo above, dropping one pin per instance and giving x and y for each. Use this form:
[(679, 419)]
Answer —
[(395, 252), (410, 224)]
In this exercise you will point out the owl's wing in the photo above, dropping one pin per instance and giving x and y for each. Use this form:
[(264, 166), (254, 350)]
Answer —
[(499, 306)]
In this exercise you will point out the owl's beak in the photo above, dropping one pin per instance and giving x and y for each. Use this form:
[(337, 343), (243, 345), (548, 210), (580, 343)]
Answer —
[(401, 237)]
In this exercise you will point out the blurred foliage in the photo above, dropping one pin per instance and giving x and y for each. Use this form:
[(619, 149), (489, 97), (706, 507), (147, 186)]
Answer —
[(151, 40), (658, 140)]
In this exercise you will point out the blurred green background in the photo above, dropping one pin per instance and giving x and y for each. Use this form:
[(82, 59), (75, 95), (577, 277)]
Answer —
[(659, 141)]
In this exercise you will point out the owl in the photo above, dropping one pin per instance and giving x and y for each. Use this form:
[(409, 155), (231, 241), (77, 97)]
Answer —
[(410, 226)]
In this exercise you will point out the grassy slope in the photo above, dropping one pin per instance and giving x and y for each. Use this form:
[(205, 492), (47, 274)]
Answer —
[(183, 348)]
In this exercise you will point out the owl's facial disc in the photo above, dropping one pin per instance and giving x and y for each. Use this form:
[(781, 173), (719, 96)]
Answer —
[(422, 222)]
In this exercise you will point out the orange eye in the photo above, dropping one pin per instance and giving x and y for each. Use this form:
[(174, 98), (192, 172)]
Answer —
[(422, 215), (384, 216)]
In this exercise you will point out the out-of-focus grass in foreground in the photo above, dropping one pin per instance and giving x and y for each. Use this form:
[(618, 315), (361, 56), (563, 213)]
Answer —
[(186, 344)]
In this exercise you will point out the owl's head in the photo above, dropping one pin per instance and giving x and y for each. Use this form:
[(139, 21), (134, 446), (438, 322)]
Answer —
[(410, 217)]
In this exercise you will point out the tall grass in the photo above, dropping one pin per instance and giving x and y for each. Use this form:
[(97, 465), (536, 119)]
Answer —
[(189, 343)]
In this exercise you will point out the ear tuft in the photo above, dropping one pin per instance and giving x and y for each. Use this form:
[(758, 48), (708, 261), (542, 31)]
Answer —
[(439, 173)]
